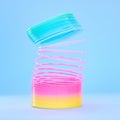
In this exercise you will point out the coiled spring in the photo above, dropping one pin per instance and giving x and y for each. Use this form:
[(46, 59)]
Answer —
[(51, 68)]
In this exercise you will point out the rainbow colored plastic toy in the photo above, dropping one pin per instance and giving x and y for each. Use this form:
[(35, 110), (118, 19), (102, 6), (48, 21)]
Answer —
[(56, 80)]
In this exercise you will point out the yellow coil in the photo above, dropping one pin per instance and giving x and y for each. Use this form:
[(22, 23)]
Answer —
[(56, 102)]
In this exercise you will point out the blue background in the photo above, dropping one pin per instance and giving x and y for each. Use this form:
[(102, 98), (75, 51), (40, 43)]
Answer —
[(101, 23)]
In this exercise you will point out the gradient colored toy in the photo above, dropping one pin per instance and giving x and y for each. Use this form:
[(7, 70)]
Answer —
[(57, 78)]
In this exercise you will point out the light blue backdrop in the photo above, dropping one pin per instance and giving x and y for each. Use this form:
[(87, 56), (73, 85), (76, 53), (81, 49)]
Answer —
[(101, 22)]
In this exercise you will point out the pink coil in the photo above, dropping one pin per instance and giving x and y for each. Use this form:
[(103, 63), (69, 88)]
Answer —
[(46, 73)]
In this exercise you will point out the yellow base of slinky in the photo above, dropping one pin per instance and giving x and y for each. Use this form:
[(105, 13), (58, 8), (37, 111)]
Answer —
[(56, 102)]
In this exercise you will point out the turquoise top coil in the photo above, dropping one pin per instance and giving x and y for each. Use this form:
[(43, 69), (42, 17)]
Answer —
[(44, 32)]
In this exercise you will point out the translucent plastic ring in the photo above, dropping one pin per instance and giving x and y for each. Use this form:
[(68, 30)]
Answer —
[(44, 32)]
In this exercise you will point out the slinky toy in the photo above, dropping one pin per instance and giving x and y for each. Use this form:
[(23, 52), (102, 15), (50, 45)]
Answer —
[(56, 80)]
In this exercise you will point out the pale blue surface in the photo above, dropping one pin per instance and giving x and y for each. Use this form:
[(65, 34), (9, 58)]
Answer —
[(95, 107), (101, 23)]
